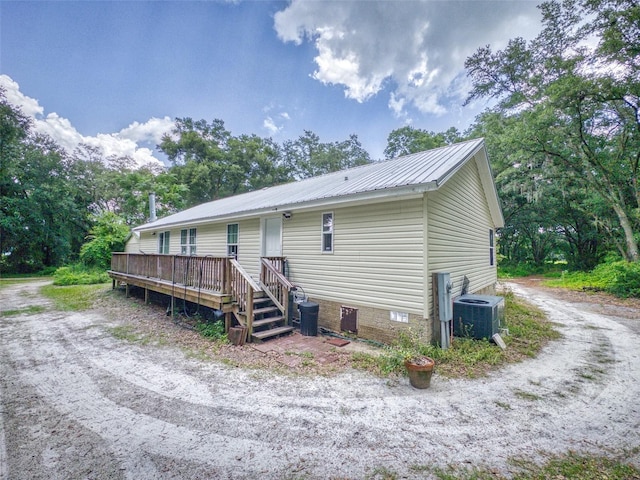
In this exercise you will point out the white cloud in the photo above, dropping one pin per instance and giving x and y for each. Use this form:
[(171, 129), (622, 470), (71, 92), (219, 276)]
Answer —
[(416, 48), (120, 144), (151, 131), (271, 126), (275, 121)]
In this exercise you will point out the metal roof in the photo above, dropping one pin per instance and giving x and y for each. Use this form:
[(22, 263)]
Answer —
[(413, 173)]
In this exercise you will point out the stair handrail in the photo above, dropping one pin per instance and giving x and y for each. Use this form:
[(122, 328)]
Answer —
[(276, 286), (243, 289)]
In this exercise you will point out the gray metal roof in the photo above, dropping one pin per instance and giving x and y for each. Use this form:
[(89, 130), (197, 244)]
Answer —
[(417, 172)]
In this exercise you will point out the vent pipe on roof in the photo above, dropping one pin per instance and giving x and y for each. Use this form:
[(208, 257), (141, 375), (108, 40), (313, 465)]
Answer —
[(152, 207)]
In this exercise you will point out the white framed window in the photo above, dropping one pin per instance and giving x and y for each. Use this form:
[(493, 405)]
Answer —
[(164, 239), (232, 240), (327, 232), (491, 247), (188, 241)]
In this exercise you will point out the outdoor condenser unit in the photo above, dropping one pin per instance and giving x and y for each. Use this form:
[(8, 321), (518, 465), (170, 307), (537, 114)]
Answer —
[(477, 316)]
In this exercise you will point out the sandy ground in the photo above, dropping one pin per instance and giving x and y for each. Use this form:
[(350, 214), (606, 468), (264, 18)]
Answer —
[(78, 403)]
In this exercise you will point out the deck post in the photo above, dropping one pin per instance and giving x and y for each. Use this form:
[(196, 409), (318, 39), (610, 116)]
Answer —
[(126, 291), (146, 296), (173, 283), (226, 277)]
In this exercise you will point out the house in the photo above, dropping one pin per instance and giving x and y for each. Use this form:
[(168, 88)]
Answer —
[(362, 243)]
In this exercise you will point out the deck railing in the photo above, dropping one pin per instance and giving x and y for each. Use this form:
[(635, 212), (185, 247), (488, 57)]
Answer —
[(207, 273), (243, 289), (277, 285), (220, 274)]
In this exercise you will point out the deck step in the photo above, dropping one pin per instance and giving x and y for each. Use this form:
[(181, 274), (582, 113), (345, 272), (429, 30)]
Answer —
[(257, 301), (263, 310), (271, 333), (267, 321)]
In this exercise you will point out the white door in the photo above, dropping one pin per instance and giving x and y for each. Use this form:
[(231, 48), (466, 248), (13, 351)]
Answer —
[(272, 237)]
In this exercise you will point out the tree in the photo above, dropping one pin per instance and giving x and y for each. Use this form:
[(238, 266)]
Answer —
[(308, 157), (108, 234), (406, 140), (548, 211), (577, 106), (213, 164)]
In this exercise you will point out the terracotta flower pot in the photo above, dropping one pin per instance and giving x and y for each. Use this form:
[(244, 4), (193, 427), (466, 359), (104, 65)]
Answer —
[(420, 370)]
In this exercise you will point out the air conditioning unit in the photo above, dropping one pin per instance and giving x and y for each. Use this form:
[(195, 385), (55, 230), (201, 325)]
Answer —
[(477, 316)]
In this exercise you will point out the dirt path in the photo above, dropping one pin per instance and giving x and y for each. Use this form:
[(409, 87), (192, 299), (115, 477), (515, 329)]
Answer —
[(76, 402)]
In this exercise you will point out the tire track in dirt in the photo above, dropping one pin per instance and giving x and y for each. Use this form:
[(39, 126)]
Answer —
[(148, 412)]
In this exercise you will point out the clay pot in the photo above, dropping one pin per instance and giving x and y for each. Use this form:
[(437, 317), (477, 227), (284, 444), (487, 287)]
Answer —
[(420, 370)]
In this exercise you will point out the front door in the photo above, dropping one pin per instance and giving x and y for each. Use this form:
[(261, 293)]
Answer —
[(272, 237)]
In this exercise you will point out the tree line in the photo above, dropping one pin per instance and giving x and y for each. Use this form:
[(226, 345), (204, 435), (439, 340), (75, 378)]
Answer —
[(563, 138)]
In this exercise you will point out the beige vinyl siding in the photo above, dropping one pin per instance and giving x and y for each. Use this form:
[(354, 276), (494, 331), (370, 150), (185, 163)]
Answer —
[(458, 231), (212, 239), (148, 243), (376, 260), (133, 244)]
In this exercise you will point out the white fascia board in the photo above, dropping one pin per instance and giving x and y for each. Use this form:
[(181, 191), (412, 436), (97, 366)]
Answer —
[(375, 196)]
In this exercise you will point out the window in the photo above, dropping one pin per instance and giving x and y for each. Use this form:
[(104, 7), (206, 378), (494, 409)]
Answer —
[(327, 232), (164, 239), (232, 240), (188, 241), (491, 248)]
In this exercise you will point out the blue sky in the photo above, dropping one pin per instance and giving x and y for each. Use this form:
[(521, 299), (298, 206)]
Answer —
[(116, 74)]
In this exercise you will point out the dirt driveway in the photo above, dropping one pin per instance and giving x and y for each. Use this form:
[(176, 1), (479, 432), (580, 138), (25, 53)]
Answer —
[(78, 403)]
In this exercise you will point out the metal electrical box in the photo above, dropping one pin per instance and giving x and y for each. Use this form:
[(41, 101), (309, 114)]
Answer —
[(445, 309), (445, 286)]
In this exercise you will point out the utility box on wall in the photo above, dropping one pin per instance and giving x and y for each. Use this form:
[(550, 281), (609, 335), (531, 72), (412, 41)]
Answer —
[(442, 298)]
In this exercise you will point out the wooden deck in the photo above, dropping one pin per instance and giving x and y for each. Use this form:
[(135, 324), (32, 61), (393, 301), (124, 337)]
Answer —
[(219, 283)]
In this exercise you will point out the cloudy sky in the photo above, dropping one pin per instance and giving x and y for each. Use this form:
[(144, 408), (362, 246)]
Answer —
[(116, 74)]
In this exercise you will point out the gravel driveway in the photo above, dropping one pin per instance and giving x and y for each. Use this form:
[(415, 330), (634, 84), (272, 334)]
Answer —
[(78, 403)]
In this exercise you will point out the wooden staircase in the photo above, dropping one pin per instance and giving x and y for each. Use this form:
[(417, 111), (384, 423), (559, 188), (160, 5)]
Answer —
[(268, 320), (261, 306)]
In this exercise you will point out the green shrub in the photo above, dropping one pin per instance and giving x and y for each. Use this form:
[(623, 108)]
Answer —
[(79, 275), (213, 330), (619, 278), (109, 234)]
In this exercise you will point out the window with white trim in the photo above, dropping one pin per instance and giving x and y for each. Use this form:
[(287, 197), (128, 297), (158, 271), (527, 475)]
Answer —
[(232, 240), (491, 247), (327, 232), (164, 238), (188, 241)]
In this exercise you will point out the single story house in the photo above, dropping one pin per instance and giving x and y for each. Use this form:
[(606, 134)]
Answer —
[(362, 243)]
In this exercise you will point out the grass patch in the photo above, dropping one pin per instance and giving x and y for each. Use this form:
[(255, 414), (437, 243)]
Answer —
[(569, 466), (527, 395), (125, 332), (621, 279), (573, 466), (73, 298), (30, 310), (467, 358)]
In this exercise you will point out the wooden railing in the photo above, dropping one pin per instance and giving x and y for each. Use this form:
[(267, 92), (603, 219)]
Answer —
[(243, 289), (207, 273), (277, 286), (277, 262)]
